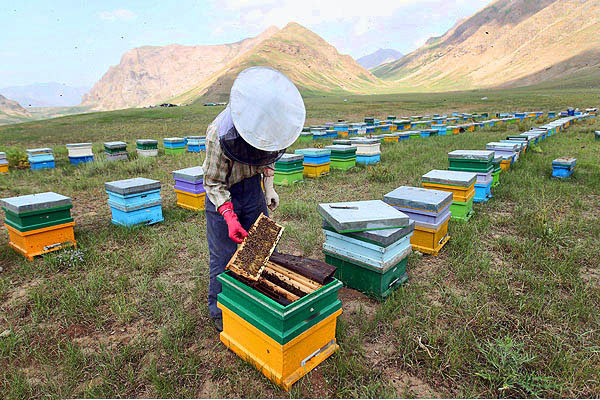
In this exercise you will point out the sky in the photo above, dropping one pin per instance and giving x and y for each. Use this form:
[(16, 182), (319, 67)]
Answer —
[(75, 42)]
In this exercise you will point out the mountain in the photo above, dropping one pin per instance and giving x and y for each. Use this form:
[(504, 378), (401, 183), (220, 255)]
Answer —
[(11, 111), (49, 94), (151, 74), (509, 43), (310, 62), (381, 56)]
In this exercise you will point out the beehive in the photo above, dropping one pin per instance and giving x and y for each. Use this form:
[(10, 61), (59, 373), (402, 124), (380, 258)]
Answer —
[(40, 158), (317, 162), (80, 153), (116, 151), (563, 167), (174, 145), (462, 186), (146, 147), (134, 201), (39, 223), (342, 156), (189, 188), (289, 169), (480, 162), (3, 163)]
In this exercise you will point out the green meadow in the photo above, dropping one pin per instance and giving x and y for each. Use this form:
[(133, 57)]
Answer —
[(508, 309)]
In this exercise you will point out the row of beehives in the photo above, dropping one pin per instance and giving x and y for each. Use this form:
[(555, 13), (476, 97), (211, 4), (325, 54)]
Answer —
[(367, 242), (81, 153)]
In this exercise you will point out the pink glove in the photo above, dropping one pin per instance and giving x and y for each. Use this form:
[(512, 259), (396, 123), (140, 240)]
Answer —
[(236, 232)]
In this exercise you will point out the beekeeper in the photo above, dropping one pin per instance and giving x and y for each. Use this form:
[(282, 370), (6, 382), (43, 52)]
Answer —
[(264, 116)]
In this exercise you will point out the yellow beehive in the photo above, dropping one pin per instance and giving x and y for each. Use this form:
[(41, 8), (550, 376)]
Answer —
[(4, 169), (460, 193), (504, 165), (190, 201), (282, 364), (41, 241), (429, 241), (315, 171)]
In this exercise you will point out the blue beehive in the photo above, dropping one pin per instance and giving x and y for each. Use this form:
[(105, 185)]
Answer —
[(195, 144), (134, 201), (40, 158), (563, 167)]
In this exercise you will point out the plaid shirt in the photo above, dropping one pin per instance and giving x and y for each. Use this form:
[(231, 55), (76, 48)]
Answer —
[(220, 172)]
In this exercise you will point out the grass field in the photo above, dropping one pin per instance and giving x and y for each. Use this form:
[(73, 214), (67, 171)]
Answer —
[(508, 309)]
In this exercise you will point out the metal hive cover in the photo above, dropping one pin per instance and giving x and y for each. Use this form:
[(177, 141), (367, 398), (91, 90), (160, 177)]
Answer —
[(482, 155), (34, 202), (77, 145), (192, 174), (503, 146), (146, 141), (497, 159), (313, 152), (114, 145), (418, 198), (456, 178), (288, 158), (196, 137), (345, 142), (132, 186), (173, 139), (364, 141), (520, 144), (42, 150), (341, 148), (566, 161), (356, 216)]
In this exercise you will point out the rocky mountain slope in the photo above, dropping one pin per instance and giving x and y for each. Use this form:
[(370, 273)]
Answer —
[(381, 56), (11, 111), (509, 43), (151, 74), (313, 64)]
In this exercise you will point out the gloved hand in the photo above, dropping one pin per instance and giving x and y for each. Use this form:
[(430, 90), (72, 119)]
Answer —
[(236, 232), (271, 196)]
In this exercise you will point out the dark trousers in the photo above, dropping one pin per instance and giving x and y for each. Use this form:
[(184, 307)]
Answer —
[(248, 203)]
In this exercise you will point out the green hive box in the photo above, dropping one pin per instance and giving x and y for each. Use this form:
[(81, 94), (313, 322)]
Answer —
[(367, 279), (288, 178), (115, 151), (289, 167), (146, 146), (281, 323), (344, 165), (461, 210), (470, 165), (496, 178), (175, 150), (342, 156), (38, 219)]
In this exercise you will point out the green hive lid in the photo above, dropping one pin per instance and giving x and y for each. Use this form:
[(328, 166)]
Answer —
[(344, 142), (340, 148), (455, 178), (78, 145), (114, 145), (418, 198), (132, 186), (503, 146), (39, 151), (289, 158), (381, 237), (146, 141), (356, 216), (192, 174), (566, 161), (313, 152), (174, 139), (479, 155), (34, 202)]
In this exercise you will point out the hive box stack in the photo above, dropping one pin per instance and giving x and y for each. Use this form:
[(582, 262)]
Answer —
[(189, 188), (342, 156), (39, 223), (80, 153), (316, 162), (368, 151), (462, 186), (115, 151), (174, 145), (563, 167), (283, 342), (429, 210), (289, 169), (505, 149), (134, 201), (305, 137), (195, 144), (40, 158), (3, 163), (497, 169), (341, 129), (146, 147), (368, 242), (479, 161)]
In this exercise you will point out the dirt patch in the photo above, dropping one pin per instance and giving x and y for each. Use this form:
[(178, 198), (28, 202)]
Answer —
[(117, 335), (407, 385), (20, 292), (591, 276), (356, 303)]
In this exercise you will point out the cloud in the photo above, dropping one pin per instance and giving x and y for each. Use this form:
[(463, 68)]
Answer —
[(120, 14)]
